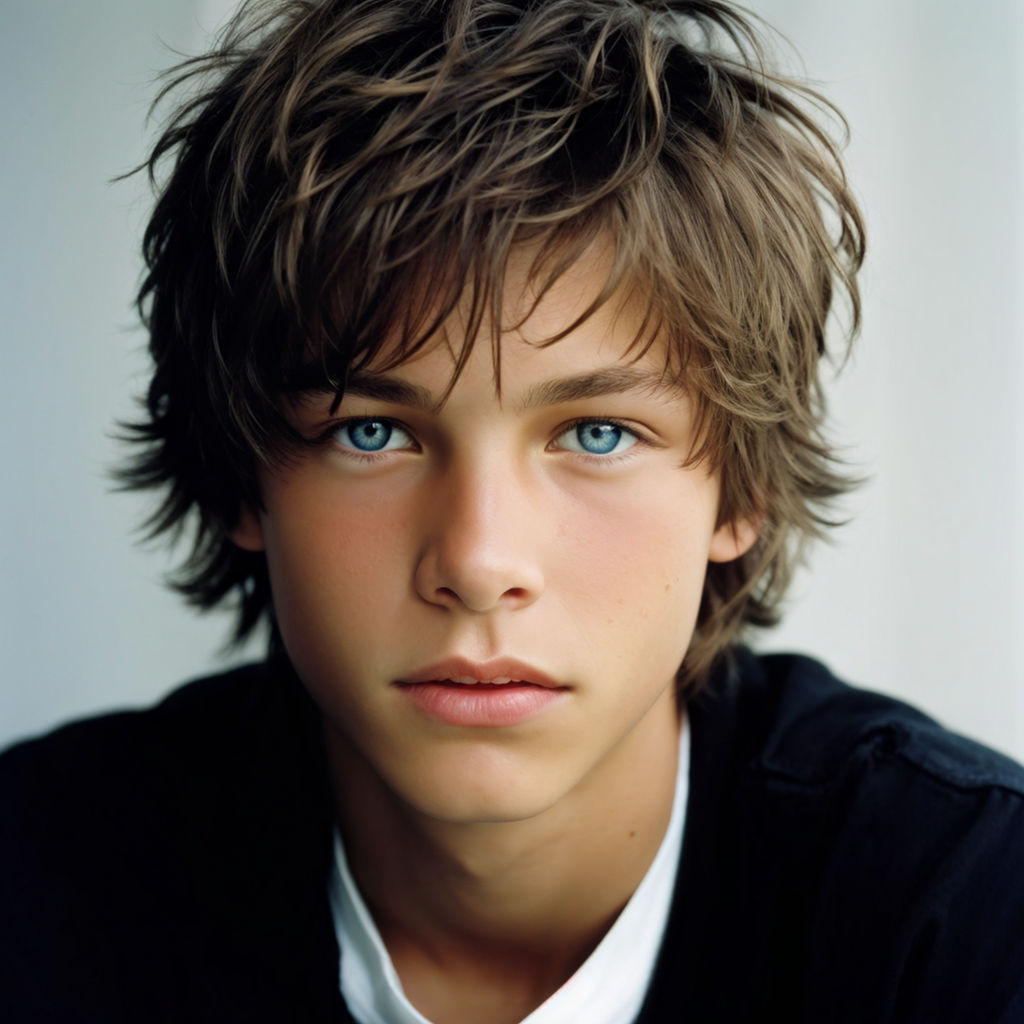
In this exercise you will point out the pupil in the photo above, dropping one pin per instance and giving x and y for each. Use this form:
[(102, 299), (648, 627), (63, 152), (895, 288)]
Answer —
[(599, 438), (371, 435)]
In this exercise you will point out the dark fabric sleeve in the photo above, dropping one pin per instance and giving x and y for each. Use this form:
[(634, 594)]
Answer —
[(170, 865), (846, 860), (922, 919)]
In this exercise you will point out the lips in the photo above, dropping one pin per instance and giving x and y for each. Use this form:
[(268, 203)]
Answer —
[(499, 693), (499, 672)]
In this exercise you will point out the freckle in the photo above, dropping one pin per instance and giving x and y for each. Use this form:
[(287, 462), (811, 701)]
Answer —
[(668, 587)]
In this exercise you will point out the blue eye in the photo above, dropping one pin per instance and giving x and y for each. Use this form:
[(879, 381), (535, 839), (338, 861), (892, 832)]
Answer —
[(372, 435), (597, 437)]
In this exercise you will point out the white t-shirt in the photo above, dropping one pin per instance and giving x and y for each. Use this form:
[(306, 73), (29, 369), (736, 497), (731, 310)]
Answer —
[(609, 986)]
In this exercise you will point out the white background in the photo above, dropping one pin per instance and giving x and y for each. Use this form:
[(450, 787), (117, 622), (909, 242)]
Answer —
[(922, 595)]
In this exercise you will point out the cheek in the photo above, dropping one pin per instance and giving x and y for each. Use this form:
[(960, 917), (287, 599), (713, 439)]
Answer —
[(650, 538), (638, 564), (333, 562)]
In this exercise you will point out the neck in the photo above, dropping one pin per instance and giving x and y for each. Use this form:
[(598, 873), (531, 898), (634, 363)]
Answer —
[(526, 899)]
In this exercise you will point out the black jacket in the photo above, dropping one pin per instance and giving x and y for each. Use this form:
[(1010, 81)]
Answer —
[(845, 860)]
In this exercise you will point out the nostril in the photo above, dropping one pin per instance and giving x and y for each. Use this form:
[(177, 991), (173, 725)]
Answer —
[(475, 580), (449, 595)]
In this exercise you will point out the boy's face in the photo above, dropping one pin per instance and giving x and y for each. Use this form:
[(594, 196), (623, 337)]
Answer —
[(554, 527)]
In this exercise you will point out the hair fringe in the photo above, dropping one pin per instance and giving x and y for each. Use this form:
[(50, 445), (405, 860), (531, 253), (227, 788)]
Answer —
[(330, 162)]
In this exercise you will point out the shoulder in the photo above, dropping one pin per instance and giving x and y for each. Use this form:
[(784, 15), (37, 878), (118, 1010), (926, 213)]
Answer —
[(797, 722), (866, 777), (101, 797), (115, 784), (118, 755), (858, 847), (136, 846)]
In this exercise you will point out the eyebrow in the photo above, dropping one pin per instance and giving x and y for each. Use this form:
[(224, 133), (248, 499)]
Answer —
[(389, 389), (612, 380)]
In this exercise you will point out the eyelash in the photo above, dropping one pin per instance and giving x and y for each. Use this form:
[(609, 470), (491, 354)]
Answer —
[(640, 441), (330, 435)]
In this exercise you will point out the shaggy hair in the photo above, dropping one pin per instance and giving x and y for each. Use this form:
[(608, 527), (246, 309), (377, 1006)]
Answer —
[(333, 158)]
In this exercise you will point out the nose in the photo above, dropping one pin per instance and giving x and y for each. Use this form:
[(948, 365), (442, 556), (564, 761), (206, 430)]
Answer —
[(482, 546)]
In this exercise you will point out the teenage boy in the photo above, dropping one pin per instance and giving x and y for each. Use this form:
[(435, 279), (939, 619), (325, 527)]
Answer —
[(486, 340)]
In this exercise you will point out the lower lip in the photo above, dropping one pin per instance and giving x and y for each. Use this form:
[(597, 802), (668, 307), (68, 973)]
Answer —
[(482, 705)]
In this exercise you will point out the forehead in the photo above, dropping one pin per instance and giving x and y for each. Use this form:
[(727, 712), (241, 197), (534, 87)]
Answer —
[(557, 318)]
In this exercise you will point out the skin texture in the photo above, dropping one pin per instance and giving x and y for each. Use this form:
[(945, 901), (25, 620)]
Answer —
[(494, 858)]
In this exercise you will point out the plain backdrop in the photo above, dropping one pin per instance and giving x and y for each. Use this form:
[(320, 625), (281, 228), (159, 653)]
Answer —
[(922, 595)]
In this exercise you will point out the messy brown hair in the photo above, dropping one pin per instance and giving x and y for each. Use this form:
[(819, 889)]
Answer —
[(332, 158)]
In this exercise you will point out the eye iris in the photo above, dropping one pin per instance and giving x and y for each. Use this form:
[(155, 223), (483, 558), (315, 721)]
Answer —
[(370, 435), (598, 438)]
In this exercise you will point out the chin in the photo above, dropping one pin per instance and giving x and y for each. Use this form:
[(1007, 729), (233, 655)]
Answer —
[(459, 809), (467, 796)]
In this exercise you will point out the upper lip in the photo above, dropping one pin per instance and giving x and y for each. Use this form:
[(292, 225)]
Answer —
[(466, 671)]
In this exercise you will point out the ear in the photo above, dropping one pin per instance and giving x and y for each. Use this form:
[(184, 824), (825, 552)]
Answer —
[(733, 539), (248, 531)]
